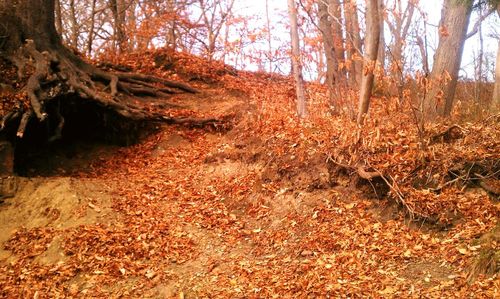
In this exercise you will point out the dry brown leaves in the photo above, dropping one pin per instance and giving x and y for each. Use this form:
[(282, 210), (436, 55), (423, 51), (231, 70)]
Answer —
[(175, 216)]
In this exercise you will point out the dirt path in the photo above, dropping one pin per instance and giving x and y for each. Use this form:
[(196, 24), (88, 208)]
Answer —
[(187, 214)]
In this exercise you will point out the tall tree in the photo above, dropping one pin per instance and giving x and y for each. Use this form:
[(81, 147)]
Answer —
[(399, 25), (444, 76), (370, 57), (269, 39), (296, 60), (171, 37), (496, 91), (118, 9), (214, 15), (332, 65), (75, 26), (90, 40), (353, 43), (330, 25), (337, 23), (58, 12)]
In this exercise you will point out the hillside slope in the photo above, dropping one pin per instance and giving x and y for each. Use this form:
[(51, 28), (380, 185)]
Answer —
[(259, 205)]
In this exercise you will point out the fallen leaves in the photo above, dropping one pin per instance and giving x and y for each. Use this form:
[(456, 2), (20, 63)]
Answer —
[(214, 232)]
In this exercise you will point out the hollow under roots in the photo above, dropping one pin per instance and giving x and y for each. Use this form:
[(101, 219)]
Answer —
[(58, 72)]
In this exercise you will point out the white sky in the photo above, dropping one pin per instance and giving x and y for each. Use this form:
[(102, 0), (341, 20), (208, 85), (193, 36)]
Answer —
[(431, 7)]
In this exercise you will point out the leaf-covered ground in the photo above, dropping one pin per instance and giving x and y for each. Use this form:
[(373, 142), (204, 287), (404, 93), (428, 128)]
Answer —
[(261, 210)]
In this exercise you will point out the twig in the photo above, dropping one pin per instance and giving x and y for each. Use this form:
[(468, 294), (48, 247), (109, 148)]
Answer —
[(400, 196)]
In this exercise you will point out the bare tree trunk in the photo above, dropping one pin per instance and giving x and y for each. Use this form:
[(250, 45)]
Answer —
[(132, 25), (399, 30), (370, 57), (325, 25), (58, 12), (447, 59), (353, 43), (381, 44), (335, 12), (171, 35), (90, 40), (214, 23), (75, 29), (496, 91), (269, 40), (118, 10), (479, 66), (296, 60)]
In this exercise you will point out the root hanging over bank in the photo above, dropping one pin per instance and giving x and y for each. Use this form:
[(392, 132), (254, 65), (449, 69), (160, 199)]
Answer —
[(56, 73)]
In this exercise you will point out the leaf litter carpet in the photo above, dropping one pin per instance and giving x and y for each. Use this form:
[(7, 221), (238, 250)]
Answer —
[(191, 213)]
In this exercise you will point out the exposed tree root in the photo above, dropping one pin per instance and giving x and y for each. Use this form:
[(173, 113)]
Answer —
[(55, 73), (371, 175), (485, 174), (214, 123), (491, 185), (454, 132)]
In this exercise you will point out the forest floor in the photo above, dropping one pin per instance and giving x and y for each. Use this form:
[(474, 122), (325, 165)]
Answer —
[(251, 210)]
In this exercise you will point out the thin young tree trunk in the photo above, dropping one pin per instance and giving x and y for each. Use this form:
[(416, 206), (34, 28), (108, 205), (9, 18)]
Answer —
[(296, 60), (496, 91), (58, 12), (335, 12), (171, 36), (90, 40), (447, 59), (118, 10), (75, 30), (370, 57), (399, 29), (479, 66), (269, 40), (381, 44)]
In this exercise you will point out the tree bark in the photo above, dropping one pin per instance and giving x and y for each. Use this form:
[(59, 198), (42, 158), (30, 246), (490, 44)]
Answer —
[(32, 19), (370, 57), (447, 59), (296, 60), (353, 43)]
